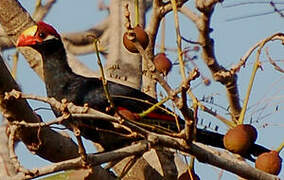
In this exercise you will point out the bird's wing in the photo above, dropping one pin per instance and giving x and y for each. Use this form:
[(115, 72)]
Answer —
[(124, 97)]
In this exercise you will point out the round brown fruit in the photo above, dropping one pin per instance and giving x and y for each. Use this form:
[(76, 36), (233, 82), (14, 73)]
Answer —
[(269, 162), (252, 132), (141, 37), (240, 138), (162, 63)]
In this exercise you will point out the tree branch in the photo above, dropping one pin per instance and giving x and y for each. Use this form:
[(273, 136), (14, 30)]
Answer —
[(219, 73), (92, 159), (42, 10), (6, 166), (49, 141), (162, 140)]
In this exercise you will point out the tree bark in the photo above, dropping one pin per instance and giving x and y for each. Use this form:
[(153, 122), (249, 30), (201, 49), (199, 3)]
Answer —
[(123, 65), (44, 142), (6, 167)]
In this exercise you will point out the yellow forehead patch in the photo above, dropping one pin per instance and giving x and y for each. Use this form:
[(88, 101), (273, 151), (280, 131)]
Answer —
[(31, 31)]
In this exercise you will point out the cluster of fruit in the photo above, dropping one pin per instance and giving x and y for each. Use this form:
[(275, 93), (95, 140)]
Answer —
[(240, 139), (161, 62)]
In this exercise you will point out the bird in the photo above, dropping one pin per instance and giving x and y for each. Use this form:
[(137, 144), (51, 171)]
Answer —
[(62, 83)]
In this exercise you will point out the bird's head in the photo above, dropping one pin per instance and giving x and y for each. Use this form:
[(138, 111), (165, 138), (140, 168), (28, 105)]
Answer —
[(38, 34)]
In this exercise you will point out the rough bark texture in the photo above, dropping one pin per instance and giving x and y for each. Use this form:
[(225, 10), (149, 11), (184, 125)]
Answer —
[(44, 142), (122, 64), (6, 167)]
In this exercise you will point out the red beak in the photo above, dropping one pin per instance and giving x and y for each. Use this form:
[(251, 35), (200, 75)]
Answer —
[(28, 38)]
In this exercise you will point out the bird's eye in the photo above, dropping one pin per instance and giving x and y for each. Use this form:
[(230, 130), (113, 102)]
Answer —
[(42, 35)]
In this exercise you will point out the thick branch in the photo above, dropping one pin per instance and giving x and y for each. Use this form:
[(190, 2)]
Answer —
[(79, 43), (92, 159), (42, 10), (6, 166), (44, 142), (219, 73), (217, 159)]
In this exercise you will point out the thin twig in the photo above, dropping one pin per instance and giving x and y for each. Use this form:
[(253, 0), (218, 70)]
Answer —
[(189, 41), (81, 148), (244, 59), (190, 14), (255, 68), (276, 9), (41, 11), (178, 36), (247, 3), (280, 147), (221, 118), (15, 64), (58, 120), (155, 106), (163, 35), (107, 94), (137, 15), (273, 63)]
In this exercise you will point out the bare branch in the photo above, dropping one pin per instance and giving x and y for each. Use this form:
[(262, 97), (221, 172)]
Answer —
[(172, 142), (79, 43), (92, 159), (272, 4), (219, 73), (6, 166), (12, 153), (17, 110), (42, 10), (273, 63), (189, 13)]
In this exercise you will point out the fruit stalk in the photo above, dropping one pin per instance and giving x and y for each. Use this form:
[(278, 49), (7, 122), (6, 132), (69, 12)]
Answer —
[(181, 62), (280, 147)]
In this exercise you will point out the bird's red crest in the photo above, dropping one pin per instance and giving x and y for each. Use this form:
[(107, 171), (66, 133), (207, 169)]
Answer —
[(43, 27), (36, 34)]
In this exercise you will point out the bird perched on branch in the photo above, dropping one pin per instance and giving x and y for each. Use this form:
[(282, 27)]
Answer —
[(61, 82)]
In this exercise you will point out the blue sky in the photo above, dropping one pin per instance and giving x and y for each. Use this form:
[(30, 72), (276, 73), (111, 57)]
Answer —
[(232, 40)]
